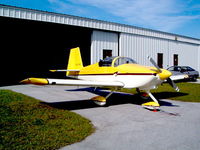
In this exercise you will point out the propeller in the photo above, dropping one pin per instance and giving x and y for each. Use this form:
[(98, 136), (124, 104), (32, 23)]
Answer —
[(169, 80), (155, 64)]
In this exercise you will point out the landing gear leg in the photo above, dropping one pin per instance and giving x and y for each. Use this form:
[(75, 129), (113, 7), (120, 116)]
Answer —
[(151, 105), (152, 97)]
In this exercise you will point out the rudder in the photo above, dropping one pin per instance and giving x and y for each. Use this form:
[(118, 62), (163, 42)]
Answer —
[(75, 62)]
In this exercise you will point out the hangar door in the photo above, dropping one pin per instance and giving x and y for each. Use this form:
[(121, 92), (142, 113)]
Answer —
[(103, 44), (31, 48)]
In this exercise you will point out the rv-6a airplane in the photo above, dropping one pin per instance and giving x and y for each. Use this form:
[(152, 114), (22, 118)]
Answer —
[(113, 72)]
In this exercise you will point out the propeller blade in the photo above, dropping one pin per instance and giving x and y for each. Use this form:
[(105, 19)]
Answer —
[(171, 82), (155, 64)]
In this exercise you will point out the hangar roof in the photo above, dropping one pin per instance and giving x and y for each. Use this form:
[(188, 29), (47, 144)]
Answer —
[(38, 15)]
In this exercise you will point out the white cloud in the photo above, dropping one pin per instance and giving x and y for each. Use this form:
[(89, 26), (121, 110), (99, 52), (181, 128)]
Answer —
[(165, 15), (62, 6)]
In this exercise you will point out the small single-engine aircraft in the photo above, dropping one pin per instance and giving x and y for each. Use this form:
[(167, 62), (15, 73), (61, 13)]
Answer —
[(113, 72)]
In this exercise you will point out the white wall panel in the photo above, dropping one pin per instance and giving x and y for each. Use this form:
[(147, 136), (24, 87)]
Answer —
[(103, 40), (187, 54), (198, 59), (139, 47)]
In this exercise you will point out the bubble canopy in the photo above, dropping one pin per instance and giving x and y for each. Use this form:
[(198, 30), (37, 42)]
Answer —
[(116, 61)]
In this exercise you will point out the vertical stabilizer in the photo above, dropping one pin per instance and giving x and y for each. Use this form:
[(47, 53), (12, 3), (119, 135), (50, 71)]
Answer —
[(75, 62)]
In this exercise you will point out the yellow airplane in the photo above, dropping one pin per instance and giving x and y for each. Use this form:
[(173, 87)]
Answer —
[(113, 72)]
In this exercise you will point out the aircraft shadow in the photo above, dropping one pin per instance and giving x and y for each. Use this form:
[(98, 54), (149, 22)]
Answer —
[(115, 99)]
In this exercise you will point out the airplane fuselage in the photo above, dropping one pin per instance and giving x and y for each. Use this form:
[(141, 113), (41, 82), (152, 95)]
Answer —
[(131, 75)]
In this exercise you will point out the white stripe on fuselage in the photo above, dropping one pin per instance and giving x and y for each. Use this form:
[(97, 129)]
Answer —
[(129, 81)]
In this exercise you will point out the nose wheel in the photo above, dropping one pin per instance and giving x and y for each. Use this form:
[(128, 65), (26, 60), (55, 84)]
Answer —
[(153, 105)]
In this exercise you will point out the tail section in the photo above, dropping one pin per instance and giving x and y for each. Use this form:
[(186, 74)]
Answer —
[(75, 62)]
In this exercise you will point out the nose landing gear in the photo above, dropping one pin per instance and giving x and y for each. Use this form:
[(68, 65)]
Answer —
[(152, 105)]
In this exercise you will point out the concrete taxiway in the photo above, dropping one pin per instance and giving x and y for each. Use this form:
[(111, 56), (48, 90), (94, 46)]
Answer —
[(124, 124)]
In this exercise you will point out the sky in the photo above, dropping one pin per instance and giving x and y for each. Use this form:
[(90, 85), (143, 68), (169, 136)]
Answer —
[(174, 16)]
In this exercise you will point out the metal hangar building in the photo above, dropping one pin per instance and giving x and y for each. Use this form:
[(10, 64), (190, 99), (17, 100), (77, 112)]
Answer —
[(35, 41)]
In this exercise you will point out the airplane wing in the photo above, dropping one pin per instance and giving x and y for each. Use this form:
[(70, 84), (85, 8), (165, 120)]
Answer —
[(46, 81)]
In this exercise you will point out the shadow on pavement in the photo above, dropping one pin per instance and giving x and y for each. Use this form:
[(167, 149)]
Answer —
[(116, 98), (168, 95)]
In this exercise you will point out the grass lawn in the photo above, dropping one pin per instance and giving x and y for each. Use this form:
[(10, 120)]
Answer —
[(189, 92), (25, 123)]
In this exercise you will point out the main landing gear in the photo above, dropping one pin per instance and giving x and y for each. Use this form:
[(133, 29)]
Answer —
[(100, 100)]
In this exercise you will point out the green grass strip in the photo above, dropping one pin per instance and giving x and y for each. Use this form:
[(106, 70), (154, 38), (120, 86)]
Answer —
[(25, 123), (189, 92)]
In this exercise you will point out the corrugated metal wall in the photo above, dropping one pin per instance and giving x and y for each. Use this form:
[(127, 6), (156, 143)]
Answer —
[(103, 40), (198, 58), (30, 14), (139, 47), (187, 53)]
